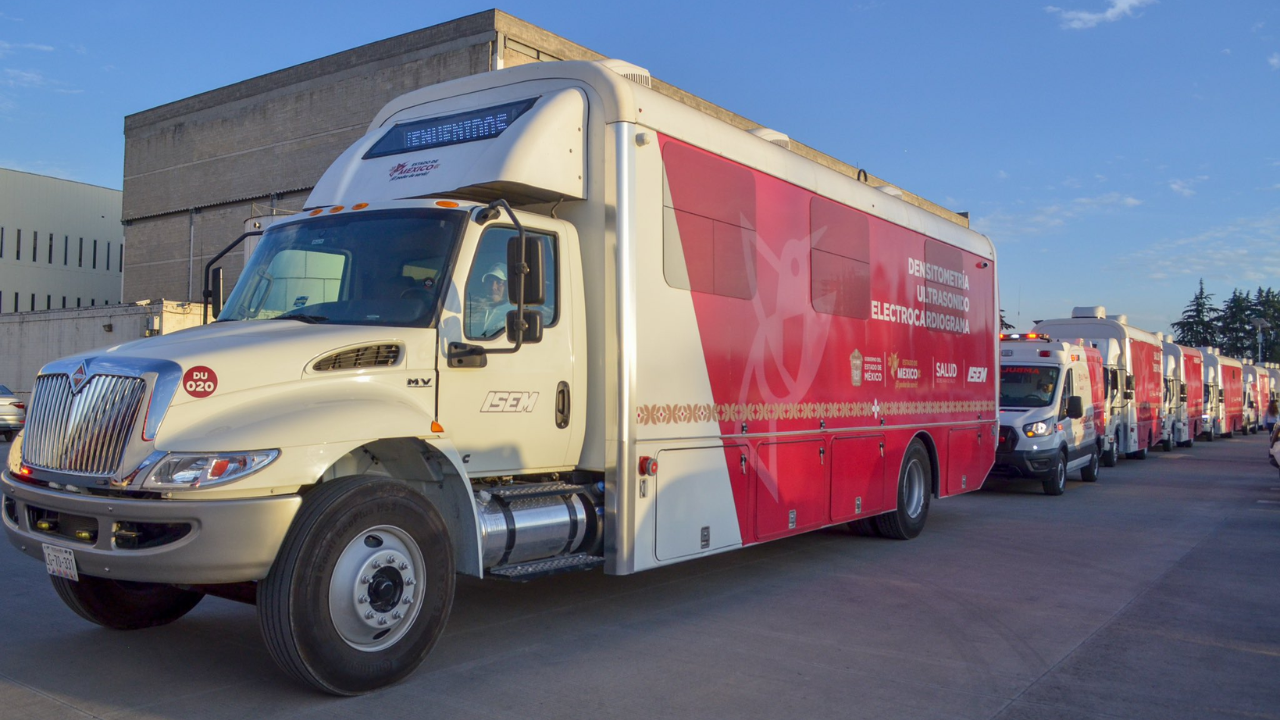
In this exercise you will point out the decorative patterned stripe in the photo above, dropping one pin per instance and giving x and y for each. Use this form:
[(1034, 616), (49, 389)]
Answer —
[(675, 414)]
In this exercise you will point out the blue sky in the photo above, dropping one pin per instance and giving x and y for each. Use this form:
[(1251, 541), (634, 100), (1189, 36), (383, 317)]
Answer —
[(1115, 151)]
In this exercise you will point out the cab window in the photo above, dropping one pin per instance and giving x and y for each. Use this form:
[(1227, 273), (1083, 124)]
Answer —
[(487, 304), (1068, 389)]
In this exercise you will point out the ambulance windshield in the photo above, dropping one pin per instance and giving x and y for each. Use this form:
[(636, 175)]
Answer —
[(385, 267), (1027, 386)]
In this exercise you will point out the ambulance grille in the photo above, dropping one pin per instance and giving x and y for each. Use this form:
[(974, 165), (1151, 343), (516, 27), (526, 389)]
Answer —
[(361, 357), (84, 432)]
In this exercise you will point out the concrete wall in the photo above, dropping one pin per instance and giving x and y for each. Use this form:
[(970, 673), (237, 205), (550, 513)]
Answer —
[(61, 216), (192, 167), (28, 340)]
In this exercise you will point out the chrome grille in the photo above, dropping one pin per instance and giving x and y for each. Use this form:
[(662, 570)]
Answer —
[(361, 357), (85, 432)]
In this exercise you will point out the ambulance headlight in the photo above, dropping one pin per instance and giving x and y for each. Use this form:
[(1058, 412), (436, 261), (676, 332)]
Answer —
[(189, 471), (1041, 428)]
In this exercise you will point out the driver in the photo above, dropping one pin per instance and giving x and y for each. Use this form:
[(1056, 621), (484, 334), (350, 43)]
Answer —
[(1046, 390), (489, 303)]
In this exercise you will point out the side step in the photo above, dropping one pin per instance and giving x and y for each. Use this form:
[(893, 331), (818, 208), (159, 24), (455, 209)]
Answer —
[(537, 490), (525, 572)]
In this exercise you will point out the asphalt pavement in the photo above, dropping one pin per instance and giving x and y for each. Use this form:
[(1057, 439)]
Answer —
[(1154, 593)]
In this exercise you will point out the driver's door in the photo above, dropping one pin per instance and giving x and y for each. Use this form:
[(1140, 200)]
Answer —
[(520, 412)]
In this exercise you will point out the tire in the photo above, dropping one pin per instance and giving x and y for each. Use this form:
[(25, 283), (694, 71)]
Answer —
[(310, 604), (8, 436), (1056, 482), (864, 527), (1111, 456), (1089, 473), (1139, 455), (914, 485), (122, 605)]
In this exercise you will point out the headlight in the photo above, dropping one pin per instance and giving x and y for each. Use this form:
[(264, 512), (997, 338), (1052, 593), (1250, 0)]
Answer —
[(188, 471), (1038, 429)]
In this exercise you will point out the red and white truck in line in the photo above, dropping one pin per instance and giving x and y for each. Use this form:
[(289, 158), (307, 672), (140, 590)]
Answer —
[(1138, 379), (535, 320), (1052, 403), (1254, 381), (1184, 395), (1223, 394)]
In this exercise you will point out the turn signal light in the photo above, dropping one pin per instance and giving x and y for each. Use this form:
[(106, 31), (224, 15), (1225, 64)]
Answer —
[(436, 427)]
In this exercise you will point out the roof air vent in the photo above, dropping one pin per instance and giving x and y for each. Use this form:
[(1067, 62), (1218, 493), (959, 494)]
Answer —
[(890, 191), (634, 73), (1122, 319), (1095, 311), (361, 357), (773, 136)]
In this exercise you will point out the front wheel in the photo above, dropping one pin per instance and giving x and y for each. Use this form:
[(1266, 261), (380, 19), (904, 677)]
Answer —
[(1110, 457), (123, 605), (1056, 482), (362, 587), (914, 481)]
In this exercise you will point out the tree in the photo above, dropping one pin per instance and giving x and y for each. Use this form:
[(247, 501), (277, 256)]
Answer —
[(1236, 335), (1198, 328), (1266, 305), (1004, 324)]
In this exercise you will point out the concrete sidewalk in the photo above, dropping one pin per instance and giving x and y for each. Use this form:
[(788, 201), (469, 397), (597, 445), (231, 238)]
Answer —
[(1154, 593)]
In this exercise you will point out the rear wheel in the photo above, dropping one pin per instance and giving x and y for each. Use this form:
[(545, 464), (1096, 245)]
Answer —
[(122, 605), (1089, 473), (1056, 482), (914, 481), (1139, 455), (362, 587)]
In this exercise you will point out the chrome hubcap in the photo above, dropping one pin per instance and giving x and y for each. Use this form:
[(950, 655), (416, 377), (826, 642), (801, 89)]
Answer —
[(914, 488), (374, 595)]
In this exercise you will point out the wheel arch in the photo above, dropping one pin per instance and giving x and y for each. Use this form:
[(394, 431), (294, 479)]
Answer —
[(432, 468), (935, 469)]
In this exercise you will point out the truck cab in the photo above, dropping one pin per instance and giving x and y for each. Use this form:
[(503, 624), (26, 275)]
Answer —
[(1048, 411)]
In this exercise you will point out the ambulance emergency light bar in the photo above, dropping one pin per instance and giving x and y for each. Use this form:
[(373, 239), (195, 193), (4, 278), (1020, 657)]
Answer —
[(448, 130), (1025, 336)]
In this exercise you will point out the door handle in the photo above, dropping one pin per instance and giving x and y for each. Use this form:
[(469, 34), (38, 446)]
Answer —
[(562, 405)]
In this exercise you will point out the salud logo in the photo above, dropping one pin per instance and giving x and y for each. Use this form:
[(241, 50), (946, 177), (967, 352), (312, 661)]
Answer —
[(78, 378)]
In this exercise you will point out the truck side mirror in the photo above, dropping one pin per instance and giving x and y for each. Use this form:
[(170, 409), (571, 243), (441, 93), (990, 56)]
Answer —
[(216, 298), (1128, 394), (1128, 384), (530, 330), (1075, 407), (531, 270)]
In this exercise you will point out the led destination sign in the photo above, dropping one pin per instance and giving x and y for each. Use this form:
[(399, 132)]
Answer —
[(447, 130)]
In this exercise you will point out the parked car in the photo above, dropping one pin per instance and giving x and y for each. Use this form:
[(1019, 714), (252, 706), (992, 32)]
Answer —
[(13, 414)]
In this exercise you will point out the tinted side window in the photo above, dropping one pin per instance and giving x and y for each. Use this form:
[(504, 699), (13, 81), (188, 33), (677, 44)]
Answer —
[(486, 306)]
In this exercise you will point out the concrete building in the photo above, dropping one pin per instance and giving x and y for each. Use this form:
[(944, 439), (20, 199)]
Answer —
[(61, 244), (195, 168)]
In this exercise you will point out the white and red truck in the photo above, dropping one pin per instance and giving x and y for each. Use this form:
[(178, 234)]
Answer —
[(1052, 402), (1224, 394), (1139, 377), (535, 320), (1254, 384), (1184, 390)]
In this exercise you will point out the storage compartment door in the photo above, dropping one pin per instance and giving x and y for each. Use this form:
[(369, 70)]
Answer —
[(964, 461), (694, 509), (792, 491), (857, 477)]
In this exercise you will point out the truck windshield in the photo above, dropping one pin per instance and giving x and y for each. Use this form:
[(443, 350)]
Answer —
[(1027, 386), (385, 267)]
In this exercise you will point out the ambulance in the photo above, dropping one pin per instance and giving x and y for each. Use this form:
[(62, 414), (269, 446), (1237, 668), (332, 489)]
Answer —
[(1184, 380), (1137, 385), (1224, 394), (1052, 402), (538, 320)]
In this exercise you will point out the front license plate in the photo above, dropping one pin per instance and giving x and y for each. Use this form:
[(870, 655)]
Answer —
[(60, 561)]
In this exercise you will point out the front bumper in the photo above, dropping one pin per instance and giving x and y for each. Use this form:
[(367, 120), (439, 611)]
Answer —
[(227, 541), (1025, 463)]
